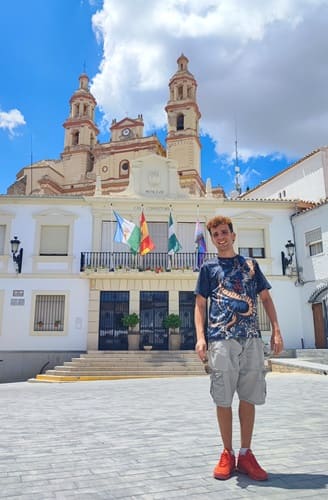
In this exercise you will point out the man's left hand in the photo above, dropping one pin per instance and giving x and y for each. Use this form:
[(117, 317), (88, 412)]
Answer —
[(277, 344)]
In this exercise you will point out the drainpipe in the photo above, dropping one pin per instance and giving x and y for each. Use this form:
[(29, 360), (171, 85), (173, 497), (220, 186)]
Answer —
[(299, 280)]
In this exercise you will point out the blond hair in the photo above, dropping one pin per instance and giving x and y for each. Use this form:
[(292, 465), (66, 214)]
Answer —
[(217, 221)]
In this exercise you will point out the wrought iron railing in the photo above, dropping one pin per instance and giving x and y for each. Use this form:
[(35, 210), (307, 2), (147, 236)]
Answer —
[(114, 261)]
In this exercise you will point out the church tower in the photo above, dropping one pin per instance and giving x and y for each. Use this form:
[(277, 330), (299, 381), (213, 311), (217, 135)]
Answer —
[(80, 132), (183, 115)]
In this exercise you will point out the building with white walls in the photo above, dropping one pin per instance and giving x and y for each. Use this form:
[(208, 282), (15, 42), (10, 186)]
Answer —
[(76, 282), (311, 272), (307, 179)]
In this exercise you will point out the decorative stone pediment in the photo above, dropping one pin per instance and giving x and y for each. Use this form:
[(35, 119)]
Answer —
[(54, 212), (155, 177), (252, 217)]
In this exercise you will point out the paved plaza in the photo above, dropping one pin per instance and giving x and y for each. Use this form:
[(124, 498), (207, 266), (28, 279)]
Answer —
[(151, 439)]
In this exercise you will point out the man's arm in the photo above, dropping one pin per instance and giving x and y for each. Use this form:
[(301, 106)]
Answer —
[(200, 317), (277, 344)]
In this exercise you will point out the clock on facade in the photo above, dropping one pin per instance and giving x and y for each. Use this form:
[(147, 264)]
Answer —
[(126, 132)]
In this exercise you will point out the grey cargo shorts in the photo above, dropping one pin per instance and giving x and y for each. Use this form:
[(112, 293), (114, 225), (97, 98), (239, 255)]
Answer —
[(237, 366)]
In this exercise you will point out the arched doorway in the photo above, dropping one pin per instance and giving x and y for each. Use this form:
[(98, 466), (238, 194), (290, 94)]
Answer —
[(319, 301)]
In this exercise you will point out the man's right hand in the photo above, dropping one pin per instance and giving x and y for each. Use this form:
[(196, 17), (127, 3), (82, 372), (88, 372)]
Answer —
[(201, 349)]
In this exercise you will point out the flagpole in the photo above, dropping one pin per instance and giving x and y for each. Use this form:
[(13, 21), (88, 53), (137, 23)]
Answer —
[(196, 267), (142, 264), (111, 222), (170, 256)]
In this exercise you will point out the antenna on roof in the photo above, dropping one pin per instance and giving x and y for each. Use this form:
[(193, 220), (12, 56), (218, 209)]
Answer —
[(31, 164), (237, 169)]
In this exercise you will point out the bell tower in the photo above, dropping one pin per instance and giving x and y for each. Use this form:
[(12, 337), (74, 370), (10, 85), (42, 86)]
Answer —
[(183, 115), (80, 128), (80, 134)]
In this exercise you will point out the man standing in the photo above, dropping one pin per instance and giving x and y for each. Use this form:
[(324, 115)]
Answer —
[(235, 348)]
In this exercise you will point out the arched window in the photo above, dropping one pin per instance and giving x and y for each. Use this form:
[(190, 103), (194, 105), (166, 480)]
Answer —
[(180, 122), (75, 138)]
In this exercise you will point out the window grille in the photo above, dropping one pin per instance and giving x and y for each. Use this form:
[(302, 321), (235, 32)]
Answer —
[(49, 313)]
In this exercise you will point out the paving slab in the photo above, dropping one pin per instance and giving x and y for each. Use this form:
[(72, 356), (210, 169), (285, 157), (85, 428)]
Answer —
[(153, 439)]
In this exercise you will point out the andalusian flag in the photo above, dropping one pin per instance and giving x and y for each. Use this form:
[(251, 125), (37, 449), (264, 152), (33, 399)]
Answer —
[(127, 232), (146, 244), (173, 245)]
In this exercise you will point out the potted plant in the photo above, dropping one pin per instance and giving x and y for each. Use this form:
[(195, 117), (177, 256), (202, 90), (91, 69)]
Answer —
[(40, 324), (172, 322), (57, 323), (145, 343), (130, 321)]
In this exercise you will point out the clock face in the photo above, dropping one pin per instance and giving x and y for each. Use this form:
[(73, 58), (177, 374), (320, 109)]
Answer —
[(126, 132)]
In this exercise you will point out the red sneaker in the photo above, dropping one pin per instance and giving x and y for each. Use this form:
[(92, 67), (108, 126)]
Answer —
[(247, 464), (225, 466)]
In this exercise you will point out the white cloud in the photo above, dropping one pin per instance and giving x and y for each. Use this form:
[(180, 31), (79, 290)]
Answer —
[(260, 65), (10, 120)]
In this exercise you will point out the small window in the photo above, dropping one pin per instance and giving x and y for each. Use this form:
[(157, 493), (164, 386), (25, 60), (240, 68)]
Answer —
[(180, 92), (313, 239), (315, 248), (49, 313), (251, 243), (124, 168), (256, 253), (54, 240), (180, 122), (75, 138)]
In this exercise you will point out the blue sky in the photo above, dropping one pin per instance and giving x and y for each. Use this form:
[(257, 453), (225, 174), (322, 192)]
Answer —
[(258, 76)]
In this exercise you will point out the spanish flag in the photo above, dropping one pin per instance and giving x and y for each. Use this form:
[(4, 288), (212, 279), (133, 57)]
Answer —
[(146, 244)]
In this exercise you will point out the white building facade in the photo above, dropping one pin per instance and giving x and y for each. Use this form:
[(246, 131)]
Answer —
[(75, 283), (311, 271)]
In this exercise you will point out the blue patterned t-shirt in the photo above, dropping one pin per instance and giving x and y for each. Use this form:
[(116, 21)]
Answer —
[(232, 285)]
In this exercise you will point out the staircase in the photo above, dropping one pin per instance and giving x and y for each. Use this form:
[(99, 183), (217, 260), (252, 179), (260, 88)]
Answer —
[(110, 365)]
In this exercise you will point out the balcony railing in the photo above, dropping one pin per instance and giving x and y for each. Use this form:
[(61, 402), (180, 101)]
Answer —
[(114, 261)]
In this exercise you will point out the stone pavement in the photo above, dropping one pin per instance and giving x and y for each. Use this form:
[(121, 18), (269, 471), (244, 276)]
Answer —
[(151, 439)]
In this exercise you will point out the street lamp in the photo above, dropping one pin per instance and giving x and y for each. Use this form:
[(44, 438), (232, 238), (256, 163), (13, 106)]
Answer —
[(286, 261), (17, 254)]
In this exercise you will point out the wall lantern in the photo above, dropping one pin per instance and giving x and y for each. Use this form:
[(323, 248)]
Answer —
[(286, 261), (17, 254)]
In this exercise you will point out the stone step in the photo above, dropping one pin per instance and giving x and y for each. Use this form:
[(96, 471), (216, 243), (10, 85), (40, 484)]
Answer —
[(134, 363), (321, 354), (143, 373), (84, 369), (138, 354), (126, 364)]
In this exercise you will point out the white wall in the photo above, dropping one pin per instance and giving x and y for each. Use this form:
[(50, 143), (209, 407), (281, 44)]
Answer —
[(305, 180), (17, 320)]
